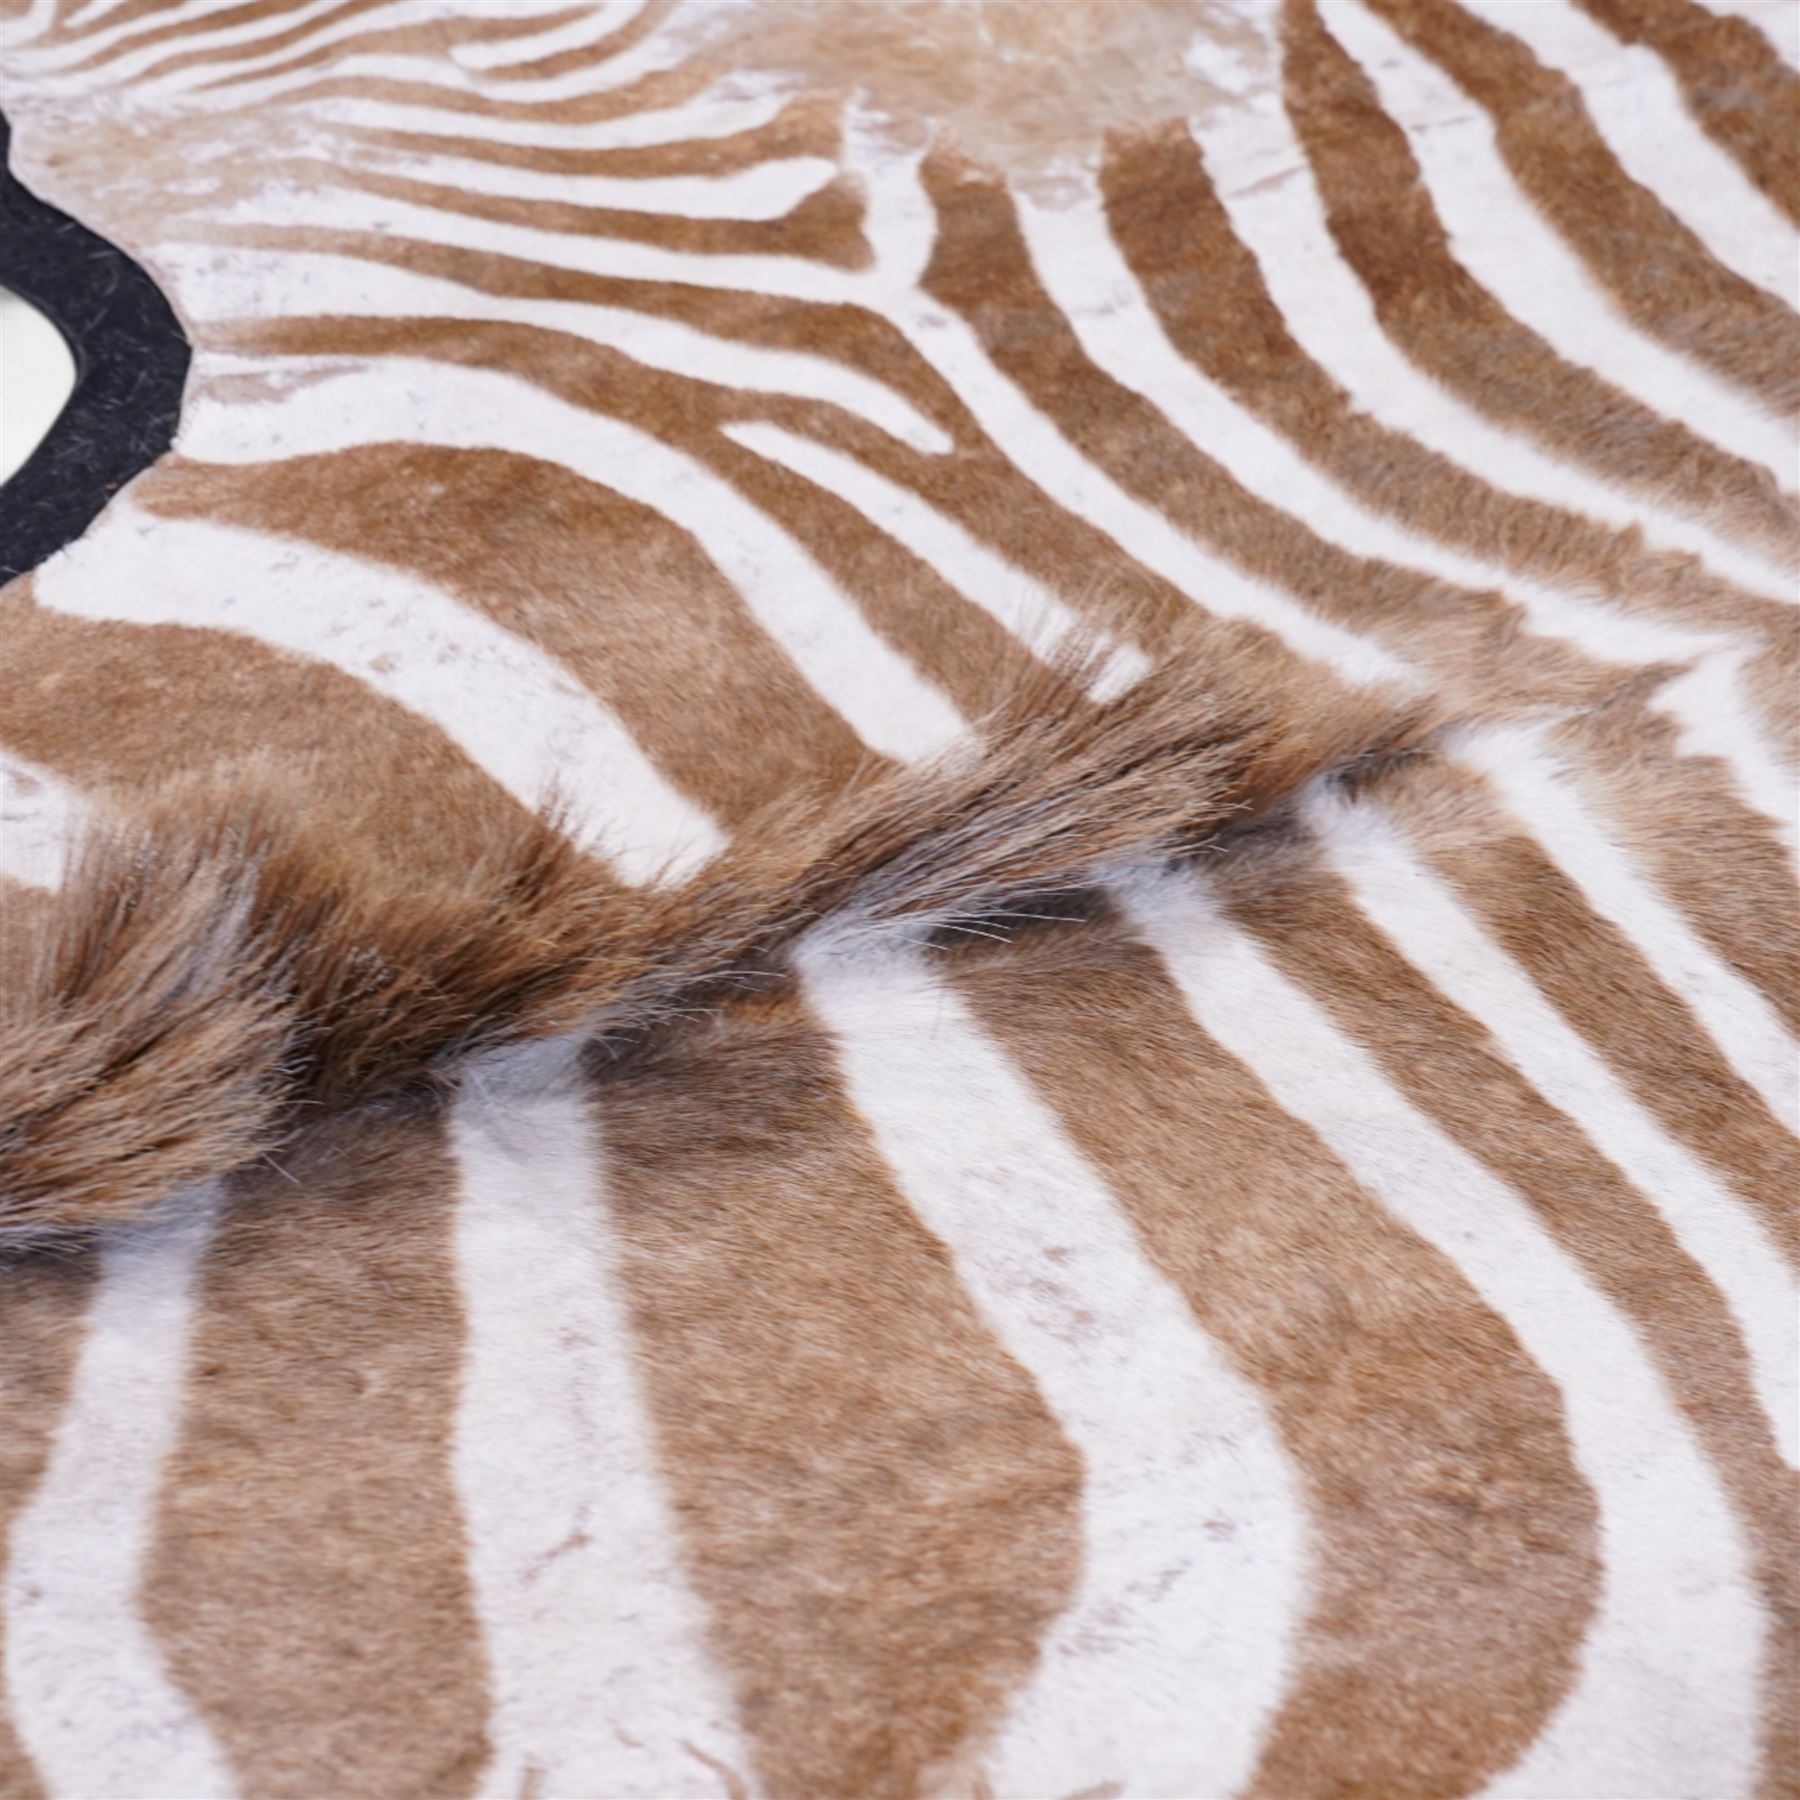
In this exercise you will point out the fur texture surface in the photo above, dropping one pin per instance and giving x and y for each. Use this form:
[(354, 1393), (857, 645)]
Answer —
[(931, 930), (215, 977)]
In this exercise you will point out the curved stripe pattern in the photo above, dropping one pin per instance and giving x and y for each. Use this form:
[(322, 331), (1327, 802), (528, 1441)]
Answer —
[(90, 1698), (1321, 1321), (602, 1685), (1657, 1611), (1171, 1654)]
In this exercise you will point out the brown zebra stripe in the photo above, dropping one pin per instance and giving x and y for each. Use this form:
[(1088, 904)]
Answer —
[(917, 914)]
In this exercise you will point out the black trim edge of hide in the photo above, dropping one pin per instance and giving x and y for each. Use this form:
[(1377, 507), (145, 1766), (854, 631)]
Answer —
[(131, 363)]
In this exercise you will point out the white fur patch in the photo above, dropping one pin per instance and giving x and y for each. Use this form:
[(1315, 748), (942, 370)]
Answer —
[(600, 1681), (1173, 1654), (1666, 1701), (516, 713), (90, 1697)]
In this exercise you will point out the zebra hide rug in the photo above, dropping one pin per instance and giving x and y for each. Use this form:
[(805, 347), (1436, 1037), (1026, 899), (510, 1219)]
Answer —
[(897, 897)]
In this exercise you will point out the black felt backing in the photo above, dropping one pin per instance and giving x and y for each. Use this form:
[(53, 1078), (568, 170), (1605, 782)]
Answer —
[(131, 362)]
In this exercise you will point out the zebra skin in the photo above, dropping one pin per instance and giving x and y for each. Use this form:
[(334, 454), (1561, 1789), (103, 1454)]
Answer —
[(916, 915)]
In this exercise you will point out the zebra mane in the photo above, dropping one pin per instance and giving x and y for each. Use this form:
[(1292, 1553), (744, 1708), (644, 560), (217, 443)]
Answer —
[(218, 979)]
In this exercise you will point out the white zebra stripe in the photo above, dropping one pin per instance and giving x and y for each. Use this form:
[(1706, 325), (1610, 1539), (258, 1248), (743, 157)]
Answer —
[(1709, 702), (1723, 1235), (37, 19), (1016, 600), (1512, 251), (199, 89), (517, 713), (600, 1681), (89, 13), (374, 15), (1266, 186), (1636, 106), (90, 17), (253, 284), (887, 702), (1172, 1656), (51, 64), (95, 35), (339, 209), (899, 214), (651, 56), (1675, 1597), (89, 1695), (765, 190), (901, 225), (600, 21), (1084, 272), (40, 817), (1717, 718), (1545, 795), (713, 115), (44, 60)]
